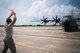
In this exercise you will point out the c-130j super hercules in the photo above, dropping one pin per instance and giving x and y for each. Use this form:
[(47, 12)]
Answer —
[(67, 22)]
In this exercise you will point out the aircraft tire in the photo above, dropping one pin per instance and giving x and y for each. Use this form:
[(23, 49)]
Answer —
[(76, 28)]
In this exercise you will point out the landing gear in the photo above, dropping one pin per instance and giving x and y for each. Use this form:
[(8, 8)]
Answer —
[(76, 28)]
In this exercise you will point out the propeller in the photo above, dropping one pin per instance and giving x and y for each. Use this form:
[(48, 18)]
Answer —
[(56, 20), (44, 20)]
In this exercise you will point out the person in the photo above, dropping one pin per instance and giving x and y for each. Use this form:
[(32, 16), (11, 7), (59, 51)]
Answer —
[(8, 40)]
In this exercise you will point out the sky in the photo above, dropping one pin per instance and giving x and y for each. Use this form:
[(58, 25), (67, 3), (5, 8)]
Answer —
[(30, 10)]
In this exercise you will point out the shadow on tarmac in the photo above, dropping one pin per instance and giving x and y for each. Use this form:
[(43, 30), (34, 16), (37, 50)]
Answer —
[(72, 30)]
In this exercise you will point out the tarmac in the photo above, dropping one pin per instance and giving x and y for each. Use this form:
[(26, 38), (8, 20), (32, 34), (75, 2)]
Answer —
[(43, 40)]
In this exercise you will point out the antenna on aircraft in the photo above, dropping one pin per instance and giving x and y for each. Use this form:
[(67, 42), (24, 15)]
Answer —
[(72, 13)]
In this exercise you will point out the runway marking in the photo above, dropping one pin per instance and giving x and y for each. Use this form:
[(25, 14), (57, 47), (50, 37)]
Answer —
[(21, 44)]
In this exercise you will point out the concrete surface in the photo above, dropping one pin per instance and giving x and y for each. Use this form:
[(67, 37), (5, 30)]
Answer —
[(43, 40)]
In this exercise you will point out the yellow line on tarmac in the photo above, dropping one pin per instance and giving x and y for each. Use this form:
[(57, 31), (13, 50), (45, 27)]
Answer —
[(21, 44)]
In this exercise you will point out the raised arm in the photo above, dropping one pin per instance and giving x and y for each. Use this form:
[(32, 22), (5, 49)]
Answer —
[(10, 15), (14, 19)]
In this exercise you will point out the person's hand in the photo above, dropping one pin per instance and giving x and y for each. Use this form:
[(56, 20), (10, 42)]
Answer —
[(12, 11)]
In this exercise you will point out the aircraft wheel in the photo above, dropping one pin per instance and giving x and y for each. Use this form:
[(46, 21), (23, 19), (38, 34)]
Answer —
[(66, 29), (76, 27)]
